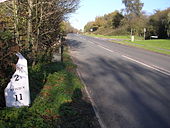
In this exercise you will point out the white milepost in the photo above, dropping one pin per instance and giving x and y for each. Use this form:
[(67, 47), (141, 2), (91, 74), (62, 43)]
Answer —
[(132, 38), (144, 33), (17, 92)]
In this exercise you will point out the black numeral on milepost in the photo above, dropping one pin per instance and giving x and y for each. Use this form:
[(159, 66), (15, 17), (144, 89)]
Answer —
[(20, 96), (16, 77)]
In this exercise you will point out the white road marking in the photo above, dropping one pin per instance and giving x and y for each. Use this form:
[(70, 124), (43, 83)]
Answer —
[(89, 96), (166, 72), (92, 102), (90, 42), (129, 58), (159, 69), (106, 48)]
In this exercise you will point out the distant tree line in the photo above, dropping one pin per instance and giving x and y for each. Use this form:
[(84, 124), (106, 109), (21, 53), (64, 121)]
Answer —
[(68, 28), (32, 27), (132, 20)]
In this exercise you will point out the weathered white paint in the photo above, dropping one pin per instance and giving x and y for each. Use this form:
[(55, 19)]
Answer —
[(17, 92)]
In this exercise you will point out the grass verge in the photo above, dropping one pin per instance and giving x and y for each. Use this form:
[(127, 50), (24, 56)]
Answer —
[(156, 45), (57, 100), (115, 37), (159, 45)]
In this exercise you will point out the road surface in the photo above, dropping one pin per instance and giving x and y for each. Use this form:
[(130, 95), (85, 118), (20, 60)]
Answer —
[(129, 86)]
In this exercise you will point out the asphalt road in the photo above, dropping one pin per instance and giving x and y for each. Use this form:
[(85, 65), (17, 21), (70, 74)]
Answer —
[(129, 86)]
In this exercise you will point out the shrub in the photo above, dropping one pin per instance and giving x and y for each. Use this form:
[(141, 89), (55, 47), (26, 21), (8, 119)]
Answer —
[(8, 59)]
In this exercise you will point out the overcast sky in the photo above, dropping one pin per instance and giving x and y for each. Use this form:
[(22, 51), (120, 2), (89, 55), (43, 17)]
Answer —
[(89, 9)]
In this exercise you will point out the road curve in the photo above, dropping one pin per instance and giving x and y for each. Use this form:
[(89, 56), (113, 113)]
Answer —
[(130, 86)]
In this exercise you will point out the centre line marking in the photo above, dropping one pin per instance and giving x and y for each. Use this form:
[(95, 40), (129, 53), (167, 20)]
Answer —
[(161, 70), (105, 48), (166, 73)]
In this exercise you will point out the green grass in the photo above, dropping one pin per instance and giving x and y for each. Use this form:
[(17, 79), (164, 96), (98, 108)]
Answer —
[(56, 100), (156, 45)]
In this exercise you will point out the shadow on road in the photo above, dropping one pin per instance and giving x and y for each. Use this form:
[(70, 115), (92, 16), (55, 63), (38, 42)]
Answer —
[(74, 44), (129, 94)]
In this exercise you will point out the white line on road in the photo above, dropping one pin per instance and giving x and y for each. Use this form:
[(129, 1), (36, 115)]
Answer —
[(92, 102), (166, 72), (89, 96), (90, 42), (161, 70), (106, 48)]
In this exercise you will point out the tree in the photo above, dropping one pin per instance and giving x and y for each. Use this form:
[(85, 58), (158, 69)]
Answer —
[(89, 26), (31, 27), (111, 20), (133, 16), (168, 25), (160, 23), (15, 11), (132, 7), (67, 28), (116, 20), (100, 21)]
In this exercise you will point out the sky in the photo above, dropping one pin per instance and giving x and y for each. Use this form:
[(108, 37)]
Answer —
[(2, 1), (89, 9)]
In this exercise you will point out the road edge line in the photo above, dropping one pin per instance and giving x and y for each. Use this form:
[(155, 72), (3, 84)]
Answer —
[(91, 100), (94, 106)]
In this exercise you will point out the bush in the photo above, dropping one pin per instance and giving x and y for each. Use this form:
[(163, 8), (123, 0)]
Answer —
[(112, 32), (8, 59)]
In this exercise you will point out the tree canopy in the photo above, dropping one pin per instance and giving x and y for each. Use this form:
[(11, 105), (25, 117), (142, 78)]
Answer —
[(132, 21), (111, 20), (133, 7)]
